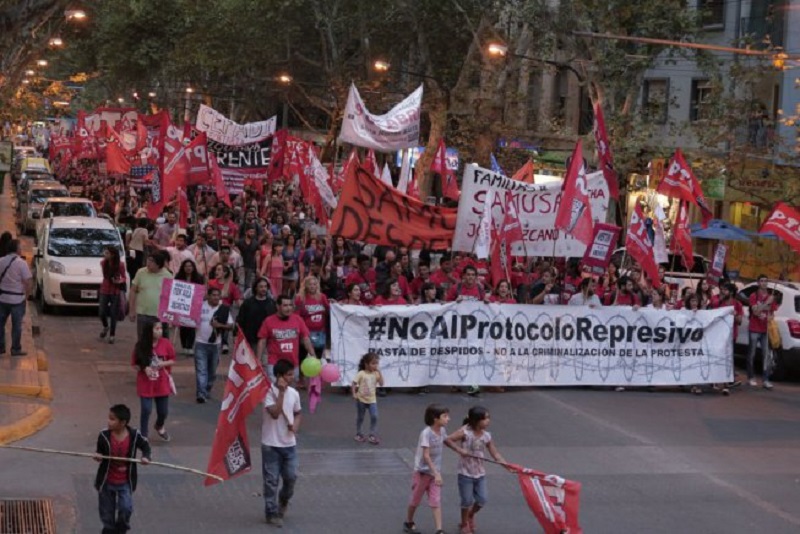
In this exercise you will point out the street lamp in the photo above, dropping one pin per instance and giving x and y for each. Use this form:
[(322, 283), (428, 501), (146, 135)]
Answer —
[(151, 94), (381, 66), (78, 15), (501, 50), (497, 49), (41, 62), (285, 79), (30, 72), (26, 81), (56, 42)]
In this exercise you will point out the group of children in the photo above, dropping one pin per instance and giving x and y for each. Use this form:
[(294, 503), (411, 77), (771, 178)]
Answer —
[(116, 480)]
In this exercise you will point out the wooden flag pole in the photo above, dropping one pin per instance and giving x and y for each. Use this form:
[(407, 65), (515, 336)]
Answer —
[(115, 458)]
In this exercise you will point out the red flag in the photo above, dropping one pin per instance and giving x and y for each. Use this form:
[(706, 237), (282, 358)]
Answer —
[(784, 221), (219, 183), (525, 173), (277, 156), (141, 136), (116, 162), (640, 247), (183, 209), (156, 126), (574, 214), (157, 200), (371, 163), (197, 156), (245, 389), (681, 183), (439, 166), (681, 242), (349, 167), (511, 227), (555, 501), (604, 156)]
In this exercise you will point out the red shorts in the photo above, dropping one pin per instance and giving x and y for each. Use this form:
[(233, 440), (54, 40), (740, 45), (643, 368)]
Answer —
[(422, 483)]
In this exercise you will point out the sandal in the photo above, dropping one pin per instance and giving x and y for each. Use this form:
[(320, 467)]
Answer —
[(163, 434), (360, 438), (374, 440)]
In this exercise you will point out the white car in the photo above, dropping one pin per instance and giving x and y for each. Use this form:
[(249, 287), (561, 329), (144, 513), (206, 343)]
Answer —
[(787, 316), (32, 205), (64, 207), (67, 260)]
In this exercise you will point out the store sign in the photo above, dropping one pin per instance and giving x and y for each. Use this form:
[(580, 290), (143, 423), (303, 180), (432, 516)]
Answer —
[(714, 188)]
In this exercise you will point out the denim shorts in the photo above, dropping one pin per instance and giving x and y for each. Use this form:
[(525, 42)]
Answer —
[(472, 491)]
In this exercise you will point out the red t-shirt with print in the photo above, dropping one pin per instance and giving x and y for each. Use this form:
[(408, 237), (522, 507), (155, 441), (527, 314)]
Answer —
[(283, 337), (314, 311)]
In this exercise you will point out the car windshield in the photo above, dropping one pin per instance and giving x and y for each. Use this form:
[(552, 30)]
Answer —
[(69, 209), (40, 196), (81, 242)]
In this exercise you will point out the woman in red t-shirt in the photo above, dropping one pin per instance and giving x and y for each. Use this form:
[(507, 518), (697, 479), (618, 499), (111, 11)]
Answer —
[(502, 293), (313, 307), (353, 295), (392, 295), (110, 288), (153, 357), (229, 289)]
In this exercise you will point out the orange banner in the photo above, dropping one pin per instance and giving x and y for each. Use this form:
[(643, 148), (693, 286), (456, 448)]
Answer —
[(372, 212)]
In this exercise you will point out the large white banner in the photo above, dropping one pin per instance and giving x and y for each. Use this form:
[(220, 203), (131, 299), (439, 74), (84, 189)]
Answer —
[(536, 205), (472, 343), (395, 130), (223, 130)]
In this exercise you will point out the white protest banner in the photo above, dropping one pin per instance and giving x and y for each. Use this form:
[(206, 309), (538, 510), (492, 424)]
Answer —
[(515, 344), (537, 206), (395, 130), (223, 130)]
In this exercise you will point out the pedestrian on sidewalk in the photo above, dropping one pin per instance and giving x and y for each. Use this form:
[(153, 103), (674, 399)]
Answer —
[(215, 318), (110, 288), (279, 462), (365, 387), (153, 357), (16, 283), (473, 440), (428, 467), (116, 480)]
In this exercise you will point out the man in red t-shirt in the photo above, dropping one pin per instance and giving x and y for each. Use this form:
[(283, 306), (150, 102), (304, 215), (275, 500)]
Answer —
[(468, 288), (625, 294), (423, 275), (281, 335), (365, 278), (762, 307), (443, 277), (226, 227)]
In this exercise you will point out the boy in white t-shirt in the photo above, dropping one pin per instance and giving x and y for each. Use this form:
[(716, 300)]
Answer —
[(279, 428)]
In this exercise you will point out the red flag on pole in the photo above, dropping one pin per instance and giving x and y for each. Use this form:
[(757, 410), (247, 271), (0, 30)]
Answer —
[(245, 389), (349, 167), (555, 501), (219, 183), (116, 162), (604, 156), (681, 242), (574, 214), (511, 227), (681, 183), (640, 247), (525, 173), (371, 163), (784, 221), (439, 166)]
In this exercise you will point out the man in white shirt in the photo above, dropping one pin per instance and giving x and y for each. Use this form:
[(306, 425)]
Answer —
[(202, 254), (282, 417), (586, 296), (16, 283), (214, 318), (177, 254)]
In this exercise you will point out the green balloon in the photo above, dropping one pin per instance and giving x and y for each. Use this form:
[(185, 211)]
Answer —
[(311, 367)]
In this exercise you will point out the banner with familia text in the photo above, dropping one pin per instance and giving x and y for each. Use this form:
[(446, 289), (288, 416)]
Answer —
[(532, 345), (536, 205)]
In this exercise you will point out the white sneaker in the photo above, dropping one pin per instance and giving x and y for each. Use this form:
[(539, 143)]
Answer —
[(752, 382), (768, 384)]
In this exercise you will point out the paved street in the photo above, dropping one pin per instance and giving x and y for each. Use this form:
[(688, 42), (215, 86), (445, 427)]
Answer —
[(649, 462)]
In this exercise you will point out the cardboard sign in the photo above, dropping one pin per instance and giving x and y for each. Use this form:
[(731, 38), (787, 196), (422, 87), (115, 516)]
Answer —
[(180, 303), (717, 267)]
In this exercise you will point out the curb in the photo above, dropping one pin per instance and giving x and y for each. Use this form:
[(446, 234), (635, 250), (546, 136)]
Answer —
[(26, 426)]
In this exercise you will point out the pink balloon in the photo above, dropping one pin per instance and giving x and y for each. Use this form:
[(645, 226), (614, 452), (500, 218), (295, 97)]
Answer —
[(330, 373)]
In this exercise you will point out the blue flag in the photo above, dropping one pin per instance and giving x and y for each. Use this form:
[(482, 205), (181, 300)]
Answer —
[(496, 166)]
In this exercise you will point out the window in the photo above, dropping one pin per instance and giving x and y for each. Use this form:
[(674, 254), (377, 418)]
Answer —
[(655, 100), (712, 13), (81, 242), (700, 106)]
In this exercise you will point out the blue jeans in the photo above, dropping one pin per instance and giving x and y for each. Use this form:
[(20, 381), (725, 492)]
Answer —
[(162, 410), (116, 508), (278, 463), (755, 338), (206, 359), (472, 491), (17, 312), (361, 409), (108, 309)]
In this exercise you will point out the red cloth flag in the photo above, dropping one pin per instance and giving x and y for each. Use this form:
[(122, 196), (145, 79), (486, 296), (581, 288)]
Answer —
[(511, 227), (349, 167), (116, 162), (574, 215), (277, 156), (639, 245), (219, 183), (681, 242), (183, 209), (371, 163), (439, 166), (784, 221), (156, 126), (680, 182), (555, 501), (525, 173), (245, 389), (604, 156)]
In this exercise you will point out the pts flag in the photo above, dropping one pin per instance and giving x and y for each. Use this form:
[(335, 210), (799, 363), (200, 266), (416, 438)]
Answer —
[(554, 501), (245, 389)]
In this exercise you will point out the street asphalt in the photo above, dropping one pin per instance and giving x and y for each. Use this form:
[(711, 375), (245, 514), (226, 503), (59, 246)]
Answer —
[(655, 462)]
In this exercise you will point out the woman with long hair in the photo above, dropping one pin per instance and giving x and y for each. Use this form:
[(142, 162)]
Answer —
[(188, 272), (264, 255), (226, 283), (291, 257), (353, 295), (153, 357), (502, 293), (113, 284), (427, 294), (313, 307)]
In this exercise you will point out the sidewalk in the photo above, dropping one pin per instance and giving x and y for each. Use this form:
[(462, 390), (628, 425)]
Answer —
[(24, 380)]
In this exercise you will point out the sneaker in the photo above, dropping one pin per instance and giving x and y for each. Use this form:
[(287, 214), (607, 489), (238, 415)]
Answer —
[(360, 438), (103, 333), (619, 388), (111, 340), (225, 349), (410, 528), (374, 440), (201, 400), (752, 382), (163, 434), (282, 506), (735, 384), (474, 391), (275, 521), (726, 391), (768, 384)]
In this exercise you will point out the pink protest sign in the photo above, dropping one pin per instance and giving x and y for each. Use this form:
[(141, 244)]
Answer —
[(180, 303)]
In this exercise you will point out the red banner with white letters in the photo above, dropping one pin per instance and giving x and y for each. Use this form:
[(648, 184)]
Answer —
[(680, 182), (784, 222), (555, 501), (639, 246)]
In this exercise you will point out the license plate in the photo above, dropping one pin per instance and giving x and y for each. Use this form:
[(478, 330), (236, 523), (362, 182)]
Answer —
[(88, 294)]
